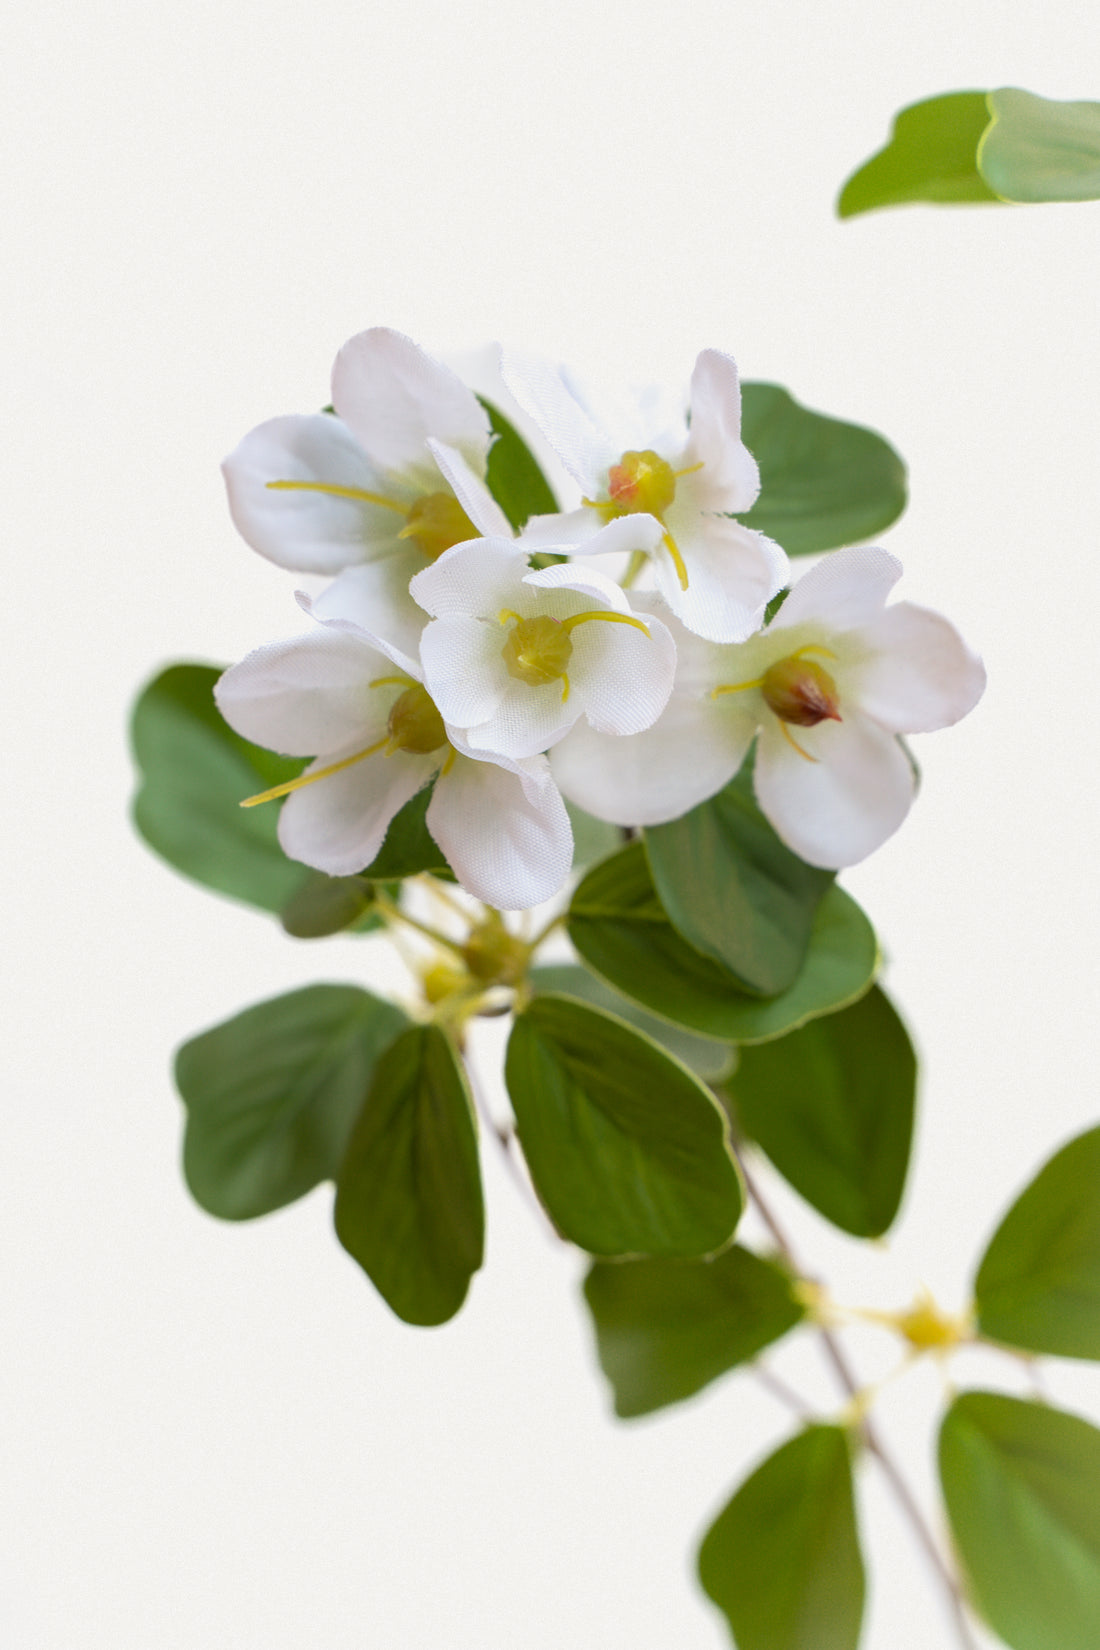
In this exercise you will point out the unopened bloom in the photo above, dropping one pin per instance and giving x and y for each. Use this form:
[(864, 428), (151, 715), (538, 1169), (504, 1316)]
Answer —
[(514, 657), (358, 706), (672, 481), (824, 691)]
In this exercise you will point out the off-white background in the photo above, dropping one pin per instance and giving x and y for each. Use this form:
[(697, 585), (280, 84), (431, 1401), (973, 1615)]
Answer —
[(217, 1438)]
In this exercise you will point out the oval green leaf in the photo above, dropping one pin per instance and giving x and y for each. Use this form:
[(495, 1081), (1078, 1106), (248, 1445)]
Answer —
[(622, 931), (328, 905), (824, 482), (195, 771), (931, 157), (408, 847), (627, 1151), (705, 1056), (408, 1196), (1038, 1286), (667, 1328), (832, 1105), (593, 839), (272, 1094), (1022, 1486), (1039, 149), (734, 891), (513, 475), (782, 1561)]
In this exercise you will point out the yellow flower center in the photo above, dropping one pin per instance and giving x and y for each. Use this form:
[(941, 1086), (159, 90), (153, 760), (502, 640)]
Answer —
[(537, 650), (414, 723), (435, 522), (641, 483), (800, 692)]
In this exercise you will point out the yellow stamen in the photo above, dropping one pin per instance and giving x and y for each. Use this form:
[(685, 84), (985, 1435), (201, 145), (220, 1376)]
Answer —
[(677, 560), (335, 491), (565, 688), (690, 471), (736, 687), (310, 778), (609, 618), (506, 613), (391, 681), (793, 742)]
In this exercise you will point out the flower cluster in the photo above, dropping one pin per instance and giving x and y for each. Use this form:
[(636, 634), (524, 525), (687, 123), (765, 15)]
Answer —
[(514, 671)]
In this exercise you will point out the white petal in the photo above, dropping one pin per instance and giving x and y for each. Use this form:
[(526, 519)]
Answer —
[(560, 531), (730, 479), (921, 675), (586, 451), (506, 834), (393, 396), (310, 532), (689, 754), (584, 580), (464, 668), (375, 597), (837, 809), (470, 491), (622, 676), (478, 577), (338, 824), (307, 695), (733, 572), (527, 721), (847, 588)]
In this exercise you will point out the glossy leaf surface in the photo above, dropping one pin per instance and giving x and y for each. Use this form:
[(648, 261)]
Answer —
[(734, 891), (1038, 149), (1038, 1285), (622, 931), (627, 1150), (931, 157), (272, 1095), (195, 772), (832, 1105), (513, 474), (782, 1561), (824, 482), (1022, 1486), (667, 1328), (408, 1198), (706, 1057)]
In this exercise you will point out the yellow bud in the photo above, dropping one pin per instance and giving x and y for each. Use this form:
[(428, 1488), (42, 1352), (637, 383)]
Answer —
[(799, 691), (414, 723), (495, 956), (435, 522), (440, 980), (641, 483), (537, 650), (927, 1329)]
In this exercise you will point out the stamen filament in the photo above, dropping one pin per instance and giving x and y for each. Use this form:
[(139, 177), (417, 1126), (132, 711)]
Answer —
[(609, 618), (335, 491), (793, 742), (506, 613), (565, 688), (392, 681), (735, 687), (691, 469), (677, 560), (310, 778)]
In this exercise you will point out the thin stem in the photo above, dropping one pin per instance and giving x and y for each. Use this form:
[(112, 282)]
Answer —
[(545, 931), (394, 913), (504, 1135), (778, 1388)]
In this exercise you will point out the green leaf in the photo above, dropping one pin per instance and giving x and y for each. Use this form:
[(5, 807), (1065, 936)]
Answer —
[(1038, 1286), (513, 474), (734, 891), (593, 838), (667, 1328), (705, 1056), (408, 1197), (1022, 1486), (832, 1105), (627, 1150), (622, 931), (195, 772), (272, 1094), (328, 905), (782, 1561), (1038, 149), (408, 847), (931, 156), (824, 483)]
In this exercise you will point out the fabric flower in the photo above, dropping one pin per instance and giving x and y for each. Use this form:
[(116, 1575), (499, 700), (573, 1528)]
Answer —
[(824, 691), (677, 481), (374, 485), (515, 657), (357, 704)]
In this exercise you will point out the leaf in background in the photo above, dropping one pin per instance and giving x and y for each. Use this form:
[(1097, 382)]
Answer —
[(707, 1058), (408, 1197), (326, 905), (408, 847), (824, 483), (782, 1561), (1022, 1486), (513, 475), (1039, 149), (627, 1150), (593, 838), (1038, 1286), (272, 1094), (734, 891), (620, 928), (931, 156), (667, 1328), (832, 1105), (195, 772)]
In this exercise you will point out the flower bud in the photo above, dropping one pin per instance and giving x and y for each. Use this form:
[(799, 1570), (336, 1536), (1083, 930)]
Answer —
[(538, 650), (799, 691), (435, 522), (414, 723), (641, 483)]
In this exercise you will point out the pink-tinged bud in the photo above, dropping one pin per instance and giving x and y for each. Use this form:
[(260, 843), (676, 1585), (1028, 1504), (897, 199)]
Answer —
[(799, 691), (641, 484)]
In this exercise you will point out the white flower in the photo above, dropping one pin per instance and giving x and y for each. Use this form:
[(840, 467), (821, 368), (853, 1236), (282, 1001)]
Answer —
[(676, 484), (358, 706), (824, 690), (379, 489), (515, 657)]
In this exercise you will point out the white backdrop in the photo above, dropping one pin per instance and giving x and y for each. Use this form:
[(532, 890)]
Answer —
[(218, 1437)]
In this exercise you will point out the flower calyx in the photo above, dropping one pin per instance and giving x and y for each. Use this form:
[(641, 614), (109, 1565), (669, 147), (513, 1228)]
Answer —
[(800, 692), (414, 723)]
